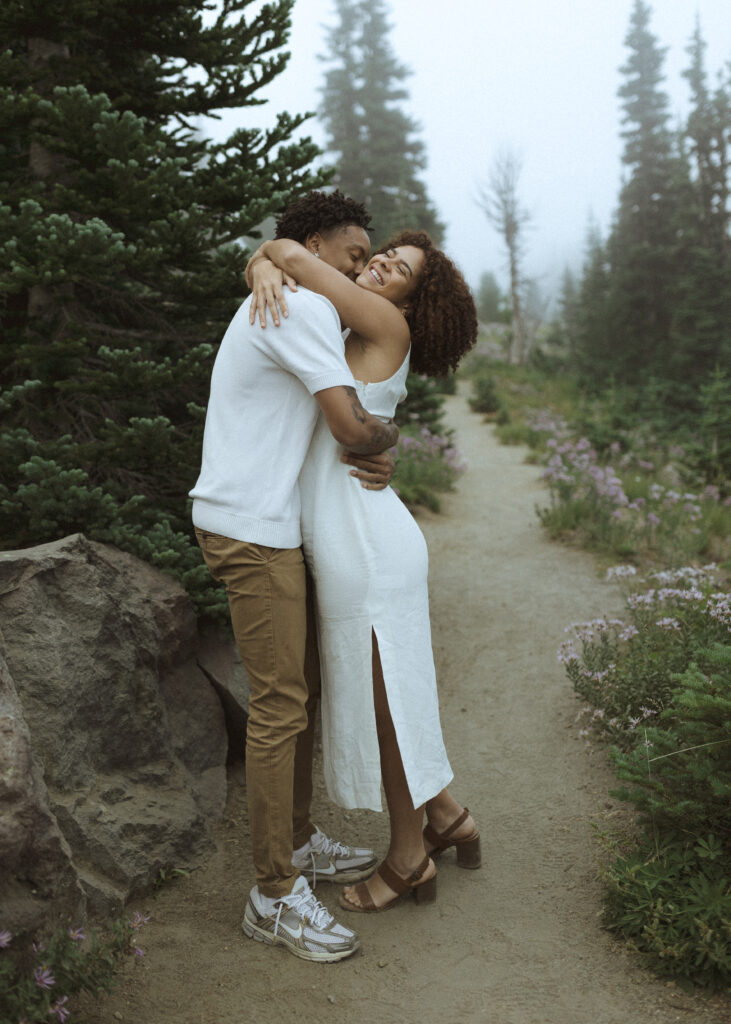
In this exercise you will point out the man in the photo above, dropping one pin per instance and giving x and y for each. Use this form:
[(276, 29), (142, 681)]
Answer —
[(259, 422)]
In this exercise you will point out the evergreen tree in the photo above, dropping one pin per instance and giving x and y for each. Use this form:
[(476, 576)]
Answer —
[(489, 300), (378, 154), (121, 259), (701, 296), (641, 247), (589, 331)]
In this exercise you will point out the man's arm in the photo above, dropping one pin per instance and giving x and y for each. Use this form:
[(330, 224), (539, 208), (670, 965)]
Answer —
[(351, 425)]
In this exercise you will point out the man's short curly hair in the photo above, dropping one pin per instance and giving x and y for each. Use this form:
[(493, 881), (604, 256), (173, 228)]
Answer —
[(441, 311), (323, 212)]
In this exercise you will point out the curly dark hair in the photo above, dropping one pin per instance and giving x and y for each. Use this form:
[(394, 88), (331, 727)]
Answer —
[(324, 212), (441, 311)]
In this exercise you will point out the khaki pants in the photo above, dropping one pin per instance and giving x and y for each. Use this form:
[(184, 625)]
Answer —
[(267, 596)]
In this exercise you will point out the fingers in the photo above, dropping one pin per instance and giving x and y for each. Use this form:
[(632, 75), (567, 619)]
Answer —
[(282, 303), (263, 299)]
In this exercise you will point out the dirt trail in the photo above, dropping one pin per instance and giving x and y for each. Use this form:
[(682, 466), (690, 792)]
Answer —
[(518, 942)]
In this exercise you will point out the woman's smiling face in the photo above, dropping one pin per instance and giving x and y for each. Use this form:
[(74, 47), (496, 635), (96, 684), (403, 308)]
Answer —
[(394, 274)]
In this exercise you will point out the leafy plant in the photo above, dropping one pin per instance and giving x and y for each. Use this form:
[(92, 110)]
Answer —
[(38, 978), (626, 669), (426, 464), (679, 776), (672, 903)]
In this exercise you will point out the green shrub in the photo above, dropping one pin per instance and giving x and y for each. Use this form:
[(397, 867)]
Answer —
[(672, 903), (424, 403), (679, 777), (485, 398), (625, 668), (426, 464), (37, 978)]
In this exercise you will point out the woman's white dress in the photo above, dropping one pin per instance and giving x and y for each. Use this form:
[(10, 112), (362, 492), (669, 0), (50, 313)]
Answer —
[(369, 562)]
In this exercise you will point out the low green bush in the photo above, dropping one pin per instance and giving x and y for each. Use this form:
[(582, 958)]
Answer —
[(37, 979), (426, 464), (485, 398), (679, 775), (672, 903), (658, 684), (624, 668)]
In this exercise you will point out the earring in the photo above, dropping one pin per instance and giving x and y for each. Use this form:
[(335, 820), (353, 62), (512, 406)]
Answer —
[(317, 253)]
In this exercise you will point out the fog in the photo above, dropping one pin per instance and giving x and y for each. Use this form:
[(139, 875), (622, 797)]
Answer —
[(539, 77)]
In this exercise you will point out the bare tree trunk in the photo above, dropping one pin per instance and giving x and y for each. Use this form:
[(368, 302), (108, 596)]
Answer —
[(517, 348), (499, 201)]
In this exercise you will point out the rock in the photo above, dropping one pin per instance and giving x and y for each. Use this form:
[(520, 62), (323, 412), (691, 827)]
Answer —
[(221, 663), (114, 738), (33, 850)]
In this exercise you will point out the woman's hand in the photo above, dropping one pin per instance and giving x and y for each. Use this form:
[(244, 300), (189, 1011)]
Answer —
[(373, 471), (266, 281)]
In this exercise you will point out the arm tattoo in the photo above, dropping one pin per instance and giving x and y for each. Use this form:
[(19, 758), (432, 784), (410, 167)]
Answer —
[(381, 435), (358, 410)]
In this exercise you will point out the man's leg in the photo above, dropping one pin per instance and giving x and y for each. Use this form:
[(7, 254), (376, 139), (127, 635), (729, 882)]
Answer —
[(302, 827), (266, 593)]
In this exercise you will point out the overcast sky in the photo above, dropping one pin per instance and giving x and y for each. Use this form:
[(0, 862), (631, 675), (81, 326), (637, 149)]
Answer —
[(539, 77)]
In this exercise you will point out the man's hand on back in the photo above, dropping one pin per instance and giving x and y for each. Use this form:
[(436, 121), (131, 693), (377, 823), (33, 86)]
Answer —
[(373, 471)]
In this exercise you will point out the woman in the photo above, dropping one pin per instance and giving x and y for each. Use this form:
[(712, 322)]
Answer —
[(410, 306)]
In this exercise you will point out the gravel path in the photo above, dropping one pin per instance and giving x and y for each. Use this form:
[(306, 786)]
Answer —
[(518, 942)]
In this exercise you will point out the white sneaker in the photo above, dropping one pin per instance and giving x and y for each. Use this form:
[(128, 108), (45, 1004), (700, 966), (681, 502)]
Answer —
[(299, 922), (324, 859)]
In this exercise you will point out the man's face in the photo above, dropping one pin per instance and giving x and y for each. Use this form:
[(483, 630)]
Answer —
[(347, 249)]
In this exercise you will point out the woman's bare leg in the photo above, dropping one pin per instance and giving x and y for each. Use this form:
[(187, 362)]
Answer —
[(406, 849), (443, 810)]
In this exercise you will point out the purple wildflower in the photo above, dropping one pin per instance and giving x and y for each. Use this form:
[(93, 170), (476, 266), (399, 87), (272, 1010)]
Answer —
[(76, 934), (5, 939), (59, 1009), (43, 977), (620, 572), (138, 920), (652, 519)]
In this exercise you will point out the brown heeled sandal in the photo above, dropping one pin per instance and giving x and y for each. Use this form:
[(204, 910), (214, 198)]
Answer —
[(467, 847), (424, 892)]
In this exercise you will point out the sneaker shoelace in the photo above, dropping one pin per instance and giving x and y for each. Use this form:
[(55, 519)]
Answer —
[(304, 904), (323, 844), (320, 843)]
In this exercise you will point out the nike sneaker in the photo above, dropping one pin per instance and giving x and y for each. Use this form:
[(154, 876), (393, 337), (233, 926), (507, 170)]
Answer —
[(322, 859), (300, 923)]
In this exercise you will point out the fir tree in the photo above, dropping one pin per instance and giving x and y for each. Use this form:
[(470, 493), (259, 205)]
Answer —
[(489, 300), (121, 255), (702, 292), (589, 329), (377, 152), (641, 246)]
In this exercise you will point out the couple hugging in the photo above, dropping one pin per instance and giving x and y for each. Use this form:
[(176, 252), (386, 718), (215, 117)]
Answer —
[(314, 555)]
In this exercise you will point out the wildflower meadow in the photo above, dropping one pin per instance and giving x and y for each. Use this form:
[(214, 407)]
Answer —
[(654, 683), (657, 684)]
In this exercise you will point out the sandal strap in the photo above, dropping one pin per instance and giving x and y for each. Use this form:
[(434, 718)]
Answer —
[(365, 900), (441, 839), (396, 882), (455, 824)]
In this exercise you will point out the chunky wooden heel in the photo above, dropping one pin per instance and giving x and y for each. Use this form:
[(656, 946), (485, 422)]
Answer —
[(469, 854), (468, 850), (424, 891)]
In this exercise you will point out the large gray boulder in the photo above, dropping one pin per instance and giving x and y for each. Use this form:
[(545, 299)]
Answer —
[(114, 738)]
